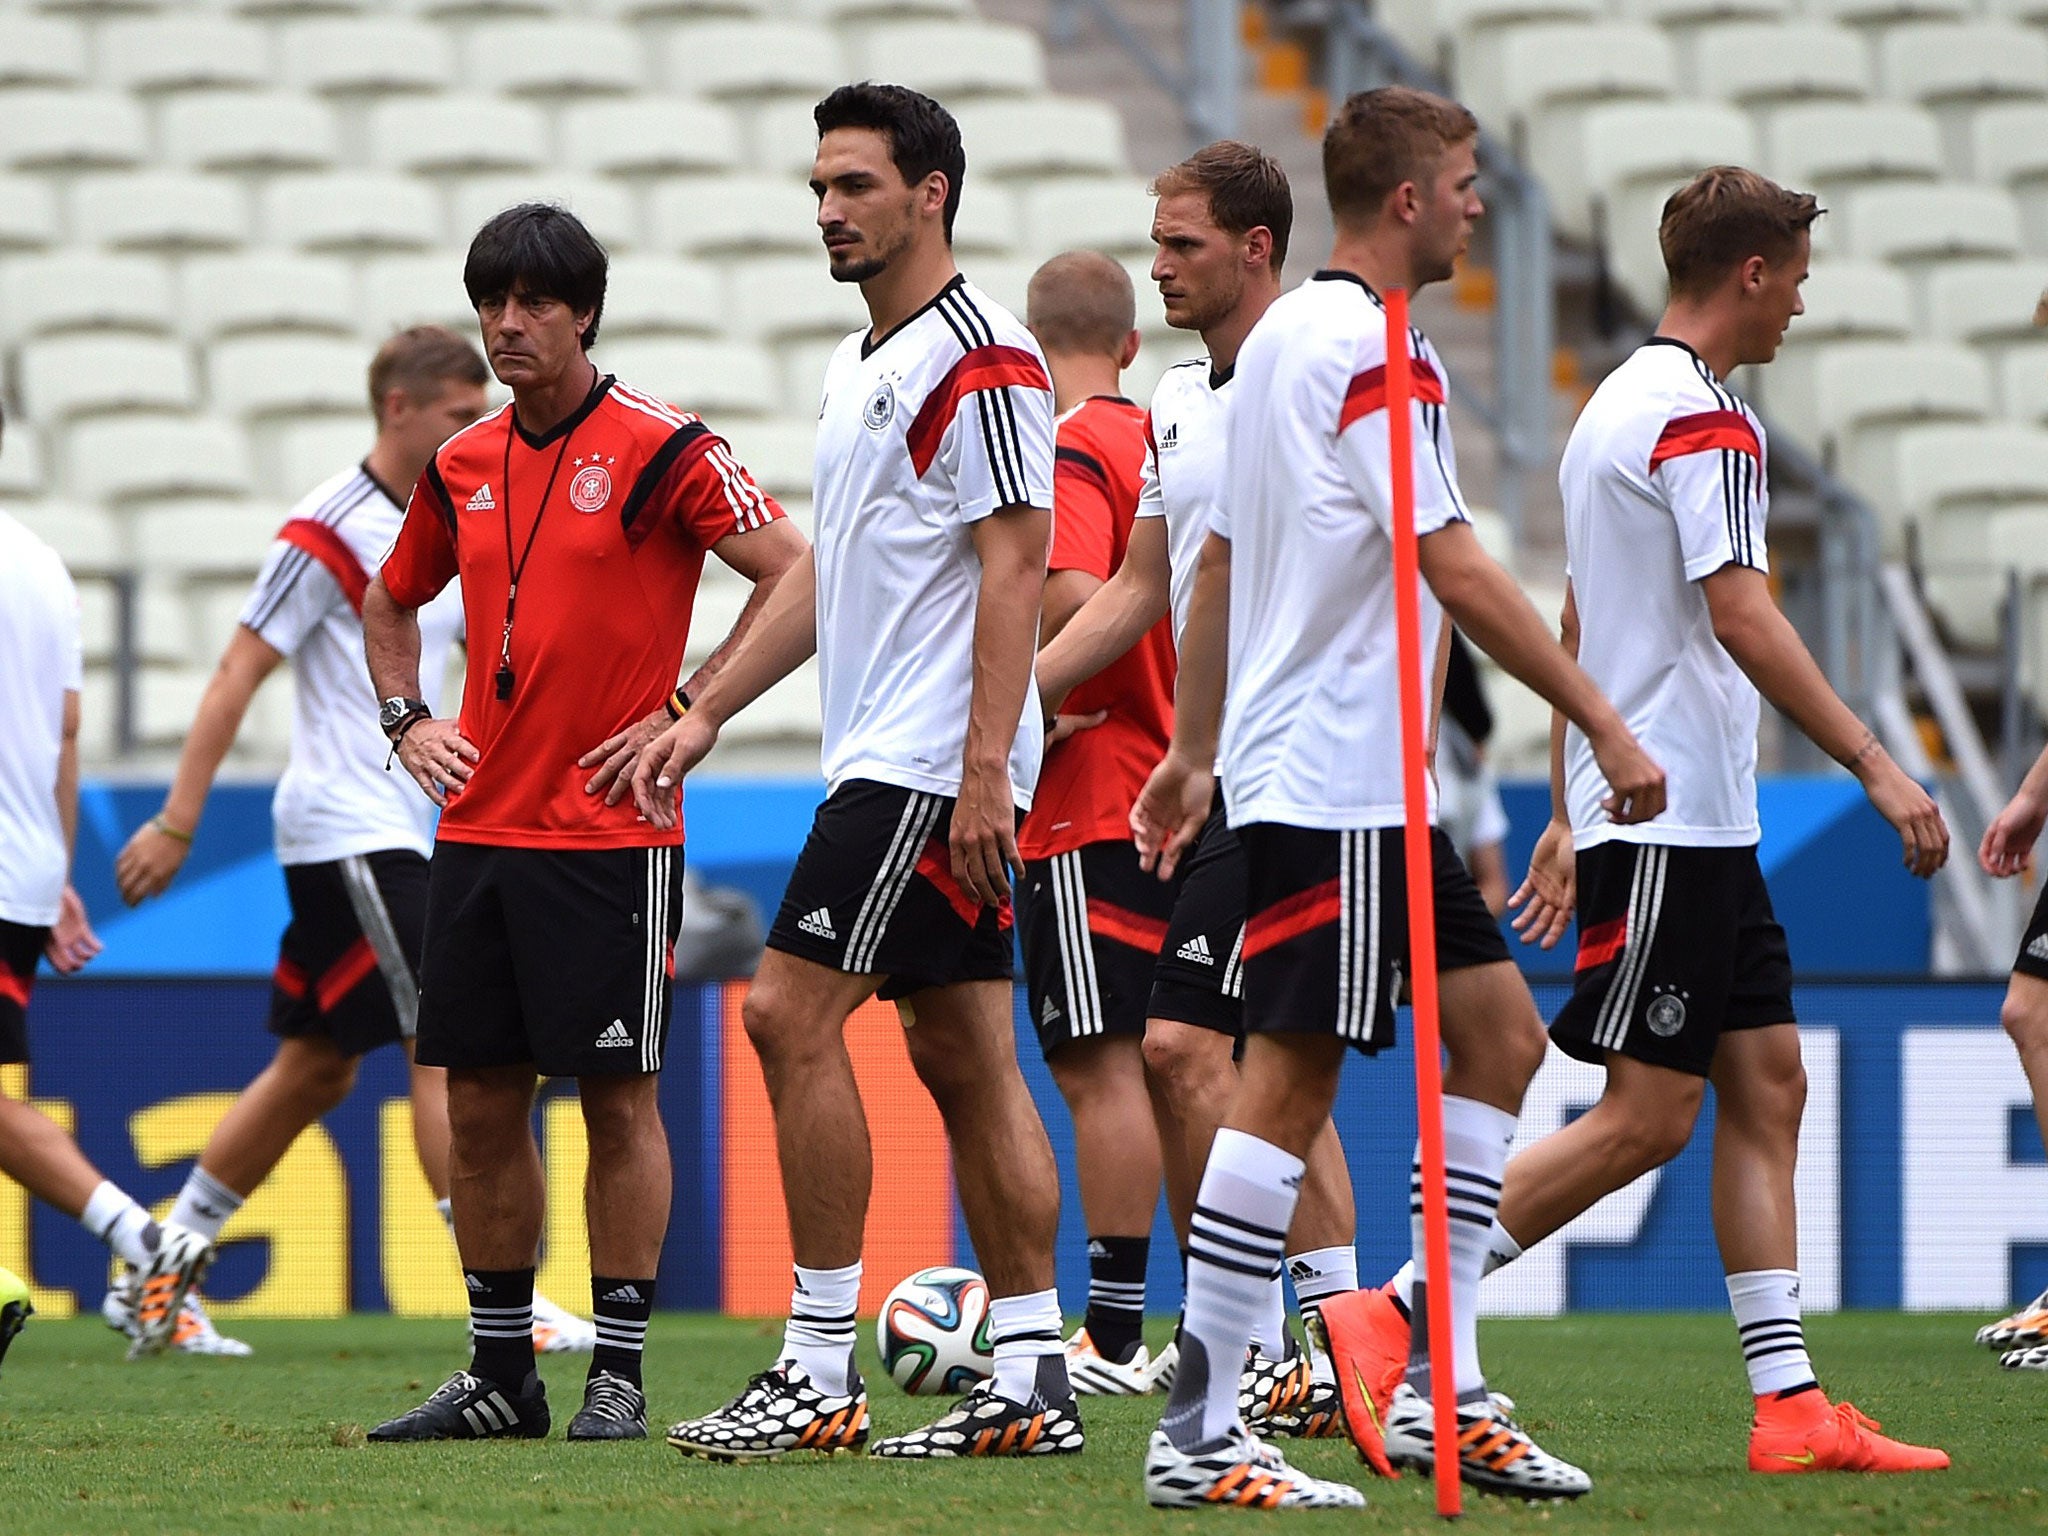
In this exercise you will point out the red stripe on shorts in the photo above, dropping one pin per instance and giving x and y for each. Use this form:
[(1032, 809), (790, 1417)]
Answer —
[(1125, 926), (936, 865), (340, 978), (1601, 943), (15, 988), (1289, 919)]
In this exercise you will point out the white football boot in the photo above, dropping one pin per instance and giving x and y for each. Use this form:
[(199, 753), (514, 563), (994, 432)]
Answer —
[(1240, 1471), (1495, 1454), (1094, 1374)]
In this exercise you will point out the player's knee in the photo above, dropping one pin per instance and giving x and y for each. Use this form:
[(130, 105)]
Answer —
[(618, 1119), (323, 1081), (1644, 1142), (773, 1025), (945, 1063), (1180, 1059), (2026, 1024)]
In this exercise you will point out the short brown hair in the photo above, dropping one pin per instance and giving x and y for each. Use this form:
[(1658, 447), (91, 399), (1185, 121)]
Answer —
[(420, 361), (1382, 138), (1245, 186), (1081, 302), (1724, 216)]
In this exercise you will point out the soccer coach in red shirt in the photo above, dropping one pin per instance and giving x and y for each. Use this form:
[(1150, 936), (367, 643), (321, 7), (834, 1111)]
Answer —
[(577, 518)]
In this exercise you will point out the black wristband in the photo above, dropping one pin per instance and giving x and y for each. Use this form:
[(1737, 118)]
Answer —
[(407, 724)]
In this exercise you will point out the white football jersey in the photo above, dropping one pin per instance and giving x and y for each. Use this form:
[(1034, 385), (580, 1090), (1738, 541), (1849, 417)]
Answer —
[(946, 419), (42, 657), (336, 798), (1312, 734), (1663, 481), (1185, 443)]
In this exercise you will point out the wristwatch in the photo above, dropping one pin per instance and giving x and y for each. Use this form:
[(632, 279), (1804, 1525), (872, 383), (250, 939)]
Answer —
[(396, 714)]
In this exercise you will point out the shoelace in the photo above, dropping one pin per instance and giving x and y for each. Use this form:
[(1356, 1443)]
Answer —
[(608, 1397)]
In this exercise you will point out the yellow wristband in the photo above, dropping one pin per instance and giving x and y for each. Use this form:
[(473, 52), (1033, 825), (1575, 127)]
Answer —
[(170, 831)]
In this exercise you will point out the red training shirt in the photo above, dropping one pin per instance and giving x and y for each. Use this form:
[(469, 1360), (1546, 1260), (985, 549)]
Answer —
[(1091, 780), (603, 614)]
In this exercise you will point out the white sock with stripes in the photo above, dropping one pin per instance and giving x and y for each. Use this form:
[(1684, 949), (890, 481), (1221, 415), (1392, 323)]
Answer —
[(1476, 1138), (1024, 1330), (205, 1204), (1318, 1274), (1766, 1303), (1501, 1250), (819, 1333)]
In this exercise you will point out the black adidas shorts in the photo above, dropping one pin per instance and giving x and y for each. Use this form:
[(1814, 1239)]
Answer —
[(1326, 942), (1091, 923), (1200, 977), (2032, 959), (1677, 946), (562, 958), (873, 894), (348, 964), (21, 949)]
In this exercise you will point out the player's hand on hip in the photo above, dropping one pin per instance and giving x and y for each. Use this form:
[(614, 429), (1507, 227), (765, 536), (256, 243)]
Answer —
[(1923, 835), (1066, 726), (1635, 784), (983, 839), (1170, 812), (72, 942), (613, 758), (1549, 892), (656, 776), (149, 862), (439, 758), (2008, 845)]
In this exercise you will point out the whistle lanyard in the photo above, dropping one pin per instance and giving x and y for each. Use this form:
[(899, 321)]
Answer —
[(518, 568)]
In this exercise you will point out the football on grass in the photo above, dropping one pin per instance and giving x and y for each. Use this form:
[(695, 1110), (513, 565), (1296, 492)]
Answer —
[(933, 1332)]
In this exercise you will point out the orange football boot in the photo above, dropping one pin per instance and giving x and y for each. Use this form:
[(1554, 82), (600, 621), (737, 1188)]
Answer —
[(1367, 1335), (1807, 1433)]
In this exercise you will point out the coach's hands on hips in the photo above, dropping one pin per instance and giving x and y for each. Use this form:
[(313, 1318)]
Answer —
[(2008, 845), (1549, 892), (71, 942), (1170, 811), (438, 756), (1635, 784), (657, 777), (613, 758), (148, 863), (1923, 835), (983, 839)]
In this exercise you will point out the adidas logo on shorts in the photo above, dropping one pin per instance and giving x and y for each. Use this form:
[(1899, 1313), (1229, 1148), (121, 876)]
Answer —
[(818, 925), (1197, 950), (2038, 949), (615, 1034), (482, 501)]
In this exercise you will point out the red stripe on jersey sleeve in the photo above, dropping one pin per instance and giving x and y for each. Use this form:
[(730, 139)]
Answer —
[(1368, 391), (332, 551), (984, 368), (1704, 433)]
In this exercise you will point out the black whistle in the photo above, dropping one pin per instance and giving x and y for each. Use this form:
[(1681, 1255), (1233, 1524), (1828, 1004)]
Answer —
[(504, 680)]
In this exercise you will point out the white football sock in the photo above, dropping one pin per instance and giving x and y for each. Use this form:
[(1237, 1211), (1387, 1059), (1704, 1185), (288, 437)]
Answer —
[(205, 1204), (819, 1334), (1317, 1274), (1025, 1330), (1476, 1138), (1766, 1303), (1269, 1336), (116, 1220)]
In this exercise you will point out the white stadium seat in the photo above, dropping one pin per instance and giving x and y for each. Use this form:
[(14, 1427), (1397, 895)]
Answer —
[(651, 136), (183, 53), (424, 289), (301, 454), (166, 698), (783, 297), (458, 135), (79, 290), (475, 10), (122, 458), (1436, 30), (249, 131), (28, 214), (1042, 136), (570, 59), (88, 538), (950, 60), (840, 12), (40, 50), (800, 365), (206, 536), (1768, 64), (1517, 77), (662, 11), (1931, 223), (1108, 214), (1939, 63), (2035, 11), (1864, 13), (732, 214), (368, 56), (782, 138), (2023, 384), (44, 130), (1848, 300), (87, 373), (661, 296), (779, 454), (751, 59), (267, 291), (22, 475), (1834, 146), (252, 376), (607, 209), (2009, 147), (1696, 14), (350, 213), (173, 212), (987, 223), (286, 10), (1984, 302), (1630, 159), (1953, 481), (1006, 279), (716, 379)]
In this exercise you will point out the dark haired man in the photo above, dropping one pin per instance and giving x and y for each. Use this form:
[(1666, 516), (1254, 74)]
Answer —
[(934, 482), (1683, 977), (578, 518)]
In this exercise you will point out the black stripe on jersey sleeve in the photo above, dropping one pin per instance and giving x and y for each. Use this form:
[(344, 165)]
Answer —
[(657, 468), (439, 488)]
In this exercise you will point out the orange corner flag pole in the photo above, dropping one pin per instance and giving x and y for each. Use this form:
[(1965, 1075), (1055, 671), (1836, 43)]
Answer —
[(1429, 1072)]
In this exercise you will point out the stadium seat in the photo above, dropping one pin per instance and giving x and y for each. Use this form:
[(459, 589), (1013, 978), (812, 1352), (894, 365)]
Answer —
[(1772, 64), (174, 212), (750, 59), (90, 373), (663, 11), (122, 458), (28, 214), (163, 629), (22, 476), (608, 209), (841, 12), (1109, 214), (555, 58), (175, 52), (1851, 299), (785, 715), (351, 213), (455, 135), (1631, 157), (1519, 77), (1006, 279), (267, 291), (367, 56), (661, 296), (1931, 223), (476, 10), (249, 131), (43, 130), (1042, 136), (301, 454), (717, 379), (88, 538), (285, 10), (2009, 147), (2023, 384), (800, 368), (1941, 63), (784, 297), (1952, 480), (717, 215), (2034, 11), (1834, 146), (1868, 13), (77, 290), (651, 136), (951, 59), (1436, 30), (40, 50), (420, 289), (1688, 16), (1986, 303), (99, 620), (987, 223), (779, 454), (204, 536), (254, 376)]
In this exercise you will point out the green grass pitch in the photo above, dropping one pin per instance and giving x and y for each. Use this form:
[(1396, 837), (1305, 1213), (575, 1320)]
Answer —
[(1653, 1406)]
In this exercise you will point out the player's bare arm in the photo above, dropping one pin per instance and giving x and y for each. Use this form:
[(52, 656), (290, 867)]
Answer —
[(1175, 801), (781, 640), (1113, 619), (762, 555), (1066, 593), (1548, 894), (433, 751), (155, 854), (1011, 544), (2008, 845), (1762, 642), (71, 942), (1483, 601)]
